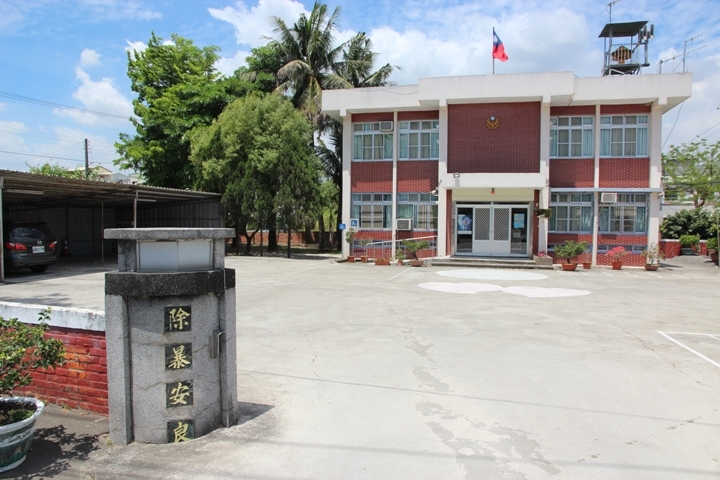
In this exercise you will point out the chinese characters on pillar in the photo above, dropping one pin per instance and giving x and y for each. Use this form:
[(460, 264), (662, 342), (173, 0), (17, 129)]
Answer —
[(179, 394), (178, 356), (180, 431), (178, 319)]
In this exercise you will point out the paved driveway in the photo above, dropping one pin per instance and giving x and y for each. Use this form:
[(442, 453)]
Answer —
[(365, 372)]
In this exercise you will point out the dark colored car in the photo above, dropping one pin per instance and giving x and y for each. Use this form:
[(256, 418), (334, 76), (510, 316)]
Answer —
[(29, 244)]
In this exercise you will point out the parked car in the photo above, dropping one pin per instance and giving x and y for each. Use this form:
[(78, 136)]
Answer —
[(29, 244)]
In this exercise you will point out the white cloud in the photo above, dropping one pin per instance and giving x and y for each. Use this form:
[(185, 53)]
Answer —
[(253, 24), (228, 65), (89, 58), (101, 96), (119, 10)]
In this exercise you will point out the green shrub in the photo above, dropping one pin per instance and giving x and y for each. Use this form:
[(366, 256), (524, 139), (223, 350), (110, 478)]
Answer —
[(712, 243), (689, 241), (689, 222), (413, 246), (570, 249)]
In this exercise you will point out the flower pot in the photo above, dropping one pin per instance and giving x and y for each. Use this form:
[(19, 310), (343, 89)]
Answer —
[(569, 267), (587, 265), (380, 261), (687, 251), (351, 259), (616, 265), (364, 258), (15, 439), (543, 260), (417, 263), (400, 263), (714, 257), (651, 267)]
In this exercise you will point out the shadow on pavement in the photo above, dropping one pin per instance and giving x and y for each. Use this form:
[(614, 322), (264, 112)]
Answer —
[(250, 411)]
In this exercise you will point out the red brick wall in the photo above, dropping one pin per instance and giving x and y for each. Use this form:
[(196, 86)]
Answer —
[(427, 115), (584, 110), (82, 380), (624, 172), (513, 147), (634, 260), (372, 117), (572, 173), (624, 109), (417, 176), (372, 177)]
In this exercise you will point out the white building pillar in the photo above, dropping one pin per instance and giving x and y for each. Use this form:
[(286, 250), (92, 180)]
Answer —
[(346, 163), (596, 184), (544, 202), (441, 189), (396, 146), (655, 150)]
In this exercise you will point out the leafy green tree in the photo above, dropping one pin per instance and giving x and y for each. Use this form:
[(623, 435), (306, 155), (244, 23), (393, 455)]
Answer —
[(692, 172), (55, 170), (700, 221), (178, 90), (257, 152)]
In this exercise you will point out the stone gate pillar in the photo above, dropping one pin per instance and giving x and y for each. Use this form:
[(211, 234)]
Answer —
[(170, 329)]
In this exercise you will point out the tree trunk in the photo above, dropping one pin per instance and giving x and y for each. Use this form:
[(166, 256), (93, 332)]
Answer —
[(322, 243), (272, 233), (289, 234)]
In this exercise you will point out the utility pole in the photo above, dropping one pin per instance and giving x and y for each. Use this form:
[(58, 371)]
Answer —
[(87, 163)]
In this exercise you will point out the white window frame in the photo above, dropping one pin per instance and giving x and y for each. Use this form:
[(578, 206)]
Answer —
[(424, 208), (373, 210), (419, 140), (623, 217), (572, 137), (624, 136), (370, 143), (568, 211)]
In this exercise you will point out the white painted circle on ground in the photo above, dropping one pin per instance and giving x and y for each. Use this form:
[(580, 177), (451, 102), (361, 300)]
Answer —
[(484, 274), (542, 292), (460, 287)]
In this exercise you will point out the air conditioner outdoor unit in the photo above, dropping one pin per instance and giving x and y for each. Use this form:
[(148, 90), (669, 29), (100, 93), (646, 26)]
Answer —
[(386, 126), (608, 197), (403, 224)]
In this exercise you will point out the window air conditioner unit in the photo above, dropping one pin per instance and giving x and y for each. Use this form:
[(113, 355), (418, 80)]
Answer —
[(608, 197), (403, 224), (386, 126)]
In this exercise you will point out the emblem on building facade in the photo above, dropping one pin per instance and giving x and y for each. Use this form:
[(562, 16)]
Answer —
[(493, 122)]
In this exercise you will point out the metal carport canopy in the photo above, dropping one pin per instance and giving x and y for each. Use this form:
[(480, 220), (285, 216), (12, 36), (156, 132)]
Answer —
[(20, 188)]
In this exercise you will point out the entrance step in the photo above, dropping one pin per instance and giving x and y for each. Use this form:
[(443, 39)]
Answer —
[(489, 262)]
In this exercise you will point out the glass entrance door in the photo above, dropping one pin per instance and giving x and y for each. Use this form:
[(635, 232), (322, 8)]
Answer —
[(464, 229), (491, 230)]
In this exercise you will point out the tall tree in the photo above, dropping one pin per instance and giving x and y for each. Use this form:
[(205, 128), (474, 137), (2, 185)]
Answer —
[(177, 89), (692, 172), (257, 153)]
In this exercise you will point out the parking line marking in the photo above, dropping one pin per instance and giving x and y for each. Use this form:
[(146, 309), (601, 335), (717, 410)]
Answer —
[(626, 273), (606, 273), (713, 362), (401, 273), (681, 276)]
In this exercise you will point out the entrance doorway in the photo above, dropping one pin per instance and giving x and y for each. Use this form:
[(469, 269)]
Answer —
[(494, 230)]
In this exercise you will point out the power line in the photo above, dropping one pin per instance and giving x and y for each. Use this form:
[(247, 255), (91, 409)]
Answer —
[(41, 156), (45, 103), (673, 127)]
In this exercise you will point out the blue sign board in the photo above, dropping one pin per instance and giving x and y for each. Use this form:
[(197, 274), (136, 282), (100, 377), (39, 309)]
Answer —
[(342, 226), (354, 222)]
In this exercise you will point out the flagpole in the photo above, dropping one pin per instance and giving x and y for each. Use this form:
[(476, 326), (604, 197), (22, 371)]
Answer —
[(493, 37)]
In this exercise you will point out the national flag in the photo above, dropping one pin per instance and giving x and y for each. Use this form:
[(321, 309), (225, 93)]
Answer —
[(498, 48)]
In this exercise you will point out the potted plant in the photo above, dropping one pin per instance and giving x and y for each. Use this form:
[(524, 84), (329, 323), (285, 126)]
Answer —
[(688, 244), (350, 239), (569, 250), (414, 246), (542, 258), (712, 249), (23, 349), (400, 255), (652, 256), (364, 242), (382, 260), (616, 254)]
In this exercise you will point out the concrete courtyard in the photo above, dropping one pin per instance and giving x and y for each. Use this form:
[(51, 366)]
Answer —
[(366, 372)]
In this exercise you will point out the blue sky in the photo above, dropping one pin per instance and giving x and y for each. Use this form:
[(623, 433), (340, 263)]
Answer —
[(74, 53)]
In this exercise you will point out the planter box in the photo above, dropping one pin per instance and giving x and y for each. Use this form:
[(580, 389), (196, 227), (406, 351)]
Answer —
[(15, 439), (542, 260), (687, 251)]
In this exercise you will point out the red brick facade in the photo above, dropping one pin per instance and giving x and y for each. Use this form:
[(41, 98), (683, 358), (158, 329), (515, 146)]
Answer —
[(372, 117), (82, 380), (417, 176), (427, 115), (624, 172), (624, 109), (572, 173), (370, 177), (569, 111), (512, 147)]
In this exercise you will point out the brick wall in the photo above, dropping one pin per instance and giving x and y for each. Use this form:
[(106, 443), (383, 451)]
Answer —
[(513, 147), (572, 173), (82, 380), (568, 111), (624, 172), (372, 117), (635, 260), (372, 177), (427, 115), (623, 109), (417, 176)]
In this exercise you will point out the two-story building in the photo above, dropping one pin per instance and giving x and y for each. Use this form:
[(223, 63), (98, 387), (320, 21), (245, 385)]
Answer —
[(507, 165)]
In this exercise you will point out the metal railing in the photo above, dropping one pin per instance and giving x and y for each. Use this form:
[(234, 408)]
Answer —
[(383, 248)]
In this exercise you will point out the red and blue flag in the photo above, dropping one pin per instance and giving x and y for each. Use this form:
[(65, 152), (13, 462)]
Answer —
[(498, 48)]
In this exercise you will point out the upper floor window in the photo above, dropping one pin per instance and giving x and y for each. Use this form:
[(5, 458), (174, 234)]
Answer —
[(571, 137), (421, 207), (374, 210), (624, 136), (571, 212), (419, 140), (370, 143), (627, 215)]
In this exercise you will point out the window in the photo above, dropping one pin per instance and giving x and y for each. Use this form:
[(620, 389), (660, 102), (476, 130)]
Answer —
[(421, 207), (571, 212), (628, 215), (419, 140), (571, 137), (369, 143), (624, 136), (374, 210)]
